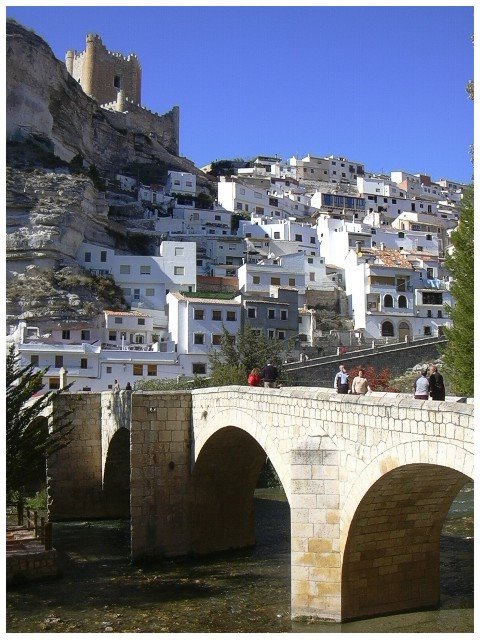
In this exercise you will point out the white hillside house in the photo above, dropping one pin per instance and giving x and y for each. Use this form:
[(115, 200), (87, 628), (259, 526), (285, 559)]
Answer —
[(390, 295)]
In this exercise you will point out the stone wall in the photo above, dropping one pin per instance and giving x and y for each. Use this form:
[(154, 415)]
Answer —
[(160, 472), (320, 372), (74, 474), (30, 565)]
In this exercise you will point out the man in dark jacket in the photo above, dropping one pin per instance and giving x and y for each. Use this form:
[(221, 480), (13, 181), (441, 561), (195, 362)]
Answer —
[(269, 375), (437, 387)]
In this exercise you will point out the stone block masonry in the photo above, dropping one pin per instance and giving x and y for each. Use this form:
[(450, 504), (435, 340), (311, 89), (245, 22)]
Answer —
[(369, 480)]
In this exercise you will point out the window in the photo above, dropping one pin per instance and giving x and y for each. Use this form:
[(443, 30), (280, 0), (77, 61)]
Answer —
[(151, 369), (85, 335), (83, 363), (429, 313), (198, 314), (401, 234), (429, 273), (312, 240), (66, 334), (116, 82), (251, 312), (281, 335), (141, 321), (198, 338), (88, 256), (428, 236), (271, 314), (125, 268), (145, 270), (103, 256), (271, 334), (58, 362), (298, 237), (179, 271), (231, 315), (432, 297), (291, 282), (256, 279), (276, 235), (239, 206), (138, 369), (199, 368), (388, 301), (402, 302), (179, 251), (284, 314), (54, 383), (216, 315), (34, 359), (312, 277), (189, 184), (419, 248), (260, 210), (109, 369), (112, 336), (217, 338), (118, 320), (149, 292), (310, 260), (127, 291), (439, 314), (427, 331), (218, 217)]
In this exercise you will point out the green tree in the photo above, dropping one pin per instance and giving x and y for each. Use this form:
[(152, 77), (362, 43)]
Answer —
[(28, 441), (239, 354), (459, 356)]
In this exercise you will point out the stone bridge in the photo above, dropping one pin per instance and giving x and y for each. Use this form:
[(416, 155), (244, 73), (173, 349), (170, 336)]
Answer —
[(369, 480)]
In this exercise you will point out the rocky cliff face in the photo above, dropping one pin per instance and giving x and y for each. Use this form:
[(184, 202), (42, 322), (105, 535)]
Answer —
[(49, 210), (44, 100)]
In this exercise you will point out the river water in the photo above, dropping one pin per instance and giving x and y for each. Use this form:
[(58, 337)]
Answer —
[(248, 591)]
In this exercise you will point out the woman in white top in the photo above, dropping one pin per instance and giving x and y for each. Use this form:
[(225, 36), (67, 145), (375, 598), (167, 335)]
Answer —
[(360, 384), (421, 386)]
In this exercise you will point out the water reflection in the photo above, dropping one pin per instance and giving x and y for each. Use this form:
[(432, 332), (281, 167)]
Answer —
[(246, 591)]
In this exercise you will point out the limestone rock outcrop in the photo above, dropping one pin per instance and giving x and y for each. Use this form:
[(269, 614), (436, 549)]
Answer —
[(44, 100)]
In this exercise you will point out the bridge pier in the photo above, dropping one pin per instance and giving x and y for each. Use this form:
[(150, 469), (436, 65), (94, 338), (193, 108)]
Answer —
[(315, 532)]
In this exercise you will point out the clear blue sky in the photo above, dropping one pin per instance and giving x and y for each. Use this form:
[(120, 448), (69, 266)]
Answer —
[(379, 85)]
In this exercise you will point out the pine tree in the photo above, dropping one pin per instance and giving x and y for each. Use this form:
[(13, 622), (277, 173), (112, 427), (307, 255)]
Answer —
[(28, 443), (459, 354)]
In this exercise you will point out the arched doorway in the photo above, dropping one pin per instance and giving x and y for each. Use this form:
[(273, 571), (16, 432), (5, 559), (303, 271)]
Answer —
[(404, 331), (387, 329), (391, 560)]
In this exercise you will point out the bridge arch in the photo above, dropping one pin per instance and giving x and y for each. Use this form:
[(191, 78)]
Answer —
[(392, 521), (116, 476), (248, 422)]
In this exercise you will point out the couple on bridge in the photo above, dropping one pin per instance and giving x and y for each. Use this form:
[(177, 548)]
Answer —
[(360, 384)]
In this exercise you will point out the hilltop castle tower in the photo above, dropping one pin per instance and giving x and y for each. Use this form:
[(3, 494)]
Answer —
[(102, 73)]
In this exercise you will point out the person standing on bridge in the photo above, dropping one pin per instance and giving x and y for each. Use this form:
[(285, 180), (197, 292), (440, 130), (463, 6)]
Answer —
[(360, 384), (421, 386), (437, 386), (254, 377), (340, 382), (269, 375)]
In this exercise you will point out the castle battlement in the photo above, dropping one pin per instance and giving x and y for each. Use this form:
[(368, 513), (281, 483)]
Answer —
[(114, 81)]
